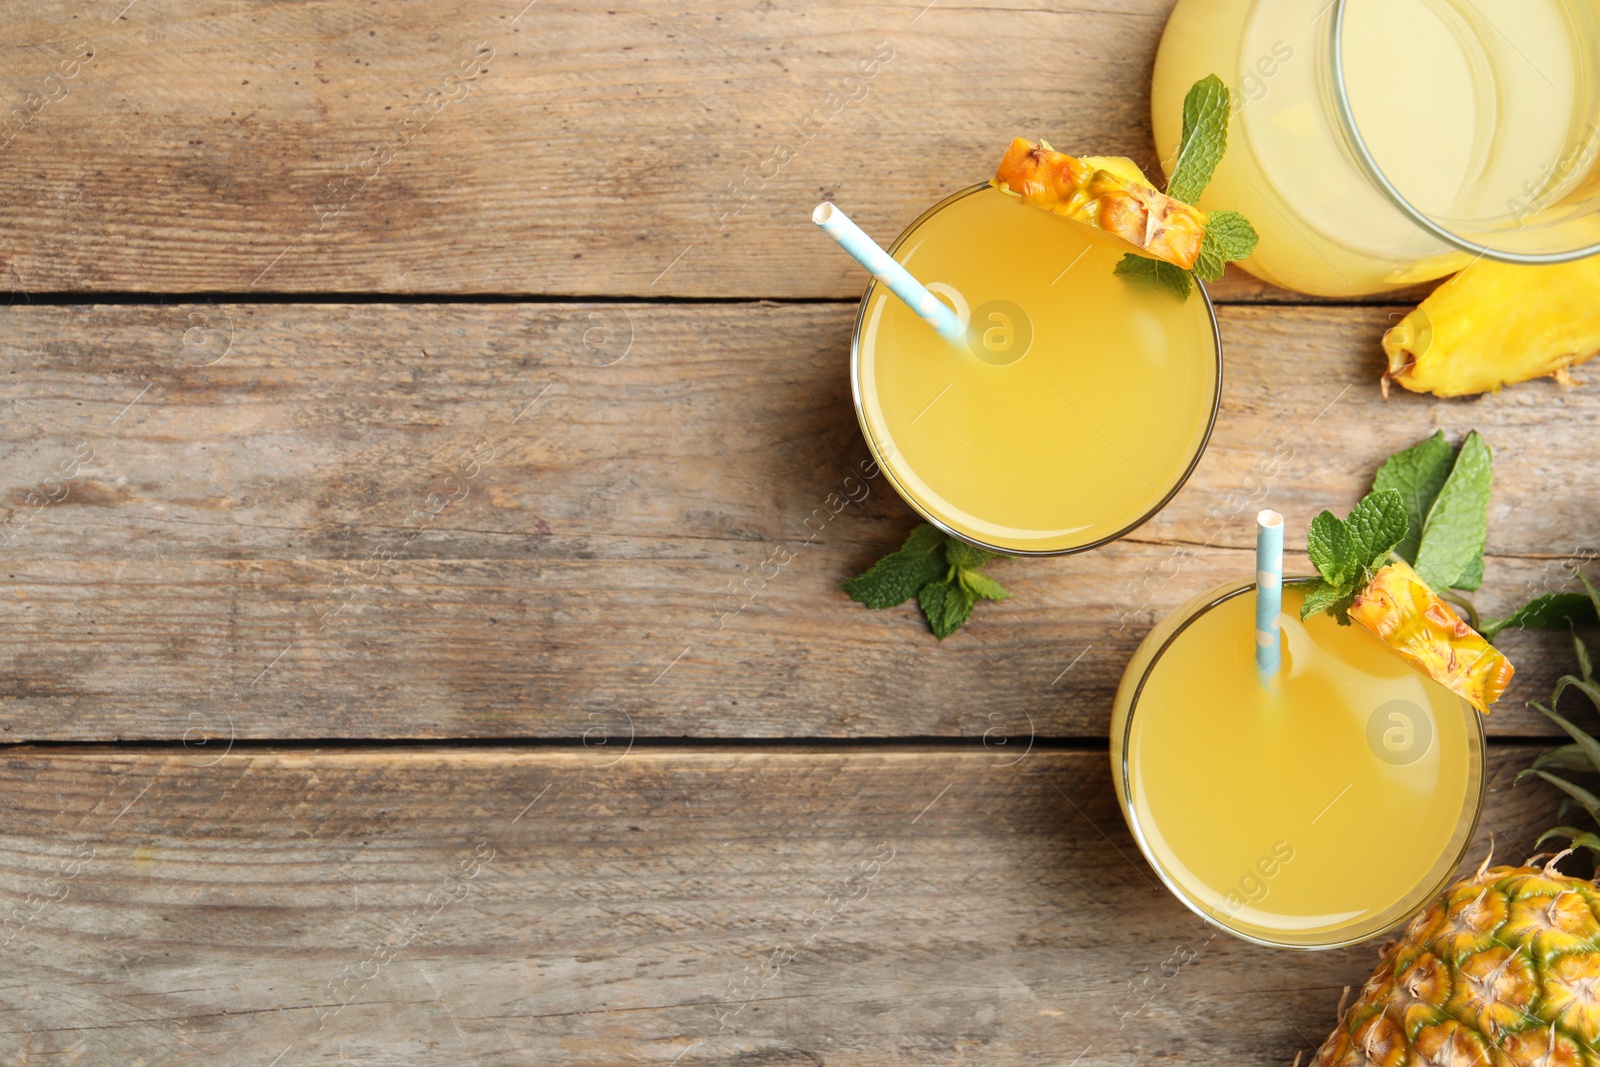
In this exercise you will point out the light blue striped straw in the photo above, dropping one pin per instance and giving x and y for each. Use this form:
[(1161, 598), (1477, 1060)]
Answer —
[(1269, 594), (865, 251)]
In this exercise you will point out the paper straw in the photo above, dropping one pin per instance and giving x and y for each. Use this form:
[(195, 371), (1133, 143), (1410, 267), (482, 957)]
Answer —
[(865, 251), (1269, 593)]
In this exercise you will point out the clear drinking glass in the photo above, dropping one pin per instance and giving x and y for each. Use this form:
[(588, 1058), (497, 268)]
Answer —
[(1078, 404), (1378, 143), (1313, 815)]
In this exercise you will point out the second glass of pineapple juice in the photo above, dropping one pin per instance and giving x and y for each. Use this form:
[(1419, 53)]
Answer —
[(1378, 143), (1313, 815), (1078, 404)]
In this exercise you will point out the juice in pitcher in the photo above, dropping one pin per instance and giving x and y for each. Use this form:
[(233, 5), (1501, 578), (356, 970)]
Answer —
[(1378, 143)]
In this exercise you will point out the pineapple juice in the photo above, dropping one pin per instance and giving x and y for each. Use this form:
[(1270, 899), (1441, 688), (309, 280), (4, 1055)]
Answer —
[(1079, 403), (1315, 815), (1480, 113)]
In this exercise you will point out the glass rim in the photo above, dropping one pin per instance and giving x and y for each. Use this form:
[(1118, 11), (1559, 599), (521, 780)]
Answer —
[(940, 524), (1369, 164), (1196, 608)]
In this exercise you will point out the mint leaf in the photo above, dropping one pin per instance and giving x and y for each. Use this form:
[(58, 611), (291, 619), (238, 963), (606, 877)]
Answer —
[(1229, 236), (957, 607), (1231, 233), (1346, 552), (1472, 577), (1205, 138), (941, 572), (1457, 526), (960, 554), (1155, 272), (1417, 474), (980, 585), (946, 606), (1375, 526), (1548, 612), (1210, 263), (1328, 545), (897, 577), (1325, 597)]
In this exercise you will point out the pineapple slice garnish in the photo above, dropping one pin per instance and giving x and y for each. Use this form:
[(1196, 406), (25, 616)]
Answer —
[(1398, 606), (1107, 193)]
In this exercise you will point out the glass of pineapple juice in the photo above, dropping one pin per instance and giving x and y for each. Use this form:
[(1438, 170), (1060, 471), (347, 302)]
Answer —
[(1075, 409), (1378, 143), (1313, 815)]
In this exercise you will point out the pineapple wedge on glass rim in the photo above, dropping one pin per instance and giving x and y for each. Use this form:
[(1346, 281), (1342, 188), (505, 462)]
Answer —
[(1410, 618), (1109, 194)]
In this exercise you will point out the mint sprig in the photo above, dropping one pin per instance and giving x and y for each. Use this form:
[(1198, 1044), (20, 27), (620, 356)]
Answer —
[(1446, 495), (1204, 139), (1551, 611), (1347, 552), (1157, 271), (1417, 474), (1450, 553), (1229, 235), (1429, 506), (942, 572)]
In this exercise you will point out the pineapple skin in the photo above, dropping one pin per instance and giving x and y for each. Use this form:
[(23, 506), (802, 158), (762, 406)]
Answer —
[(1398, 606), (1109, 194), (1495, 323), (1501, 970)]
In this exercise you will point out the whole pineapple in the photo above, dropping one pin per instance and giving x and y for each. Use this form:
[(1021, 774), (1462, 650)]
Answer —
[(1504, 967)]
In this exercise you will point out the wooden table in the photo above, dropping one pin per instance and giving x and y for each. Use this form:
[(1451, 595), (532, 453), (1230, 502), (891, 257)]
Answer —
[(397, 398)]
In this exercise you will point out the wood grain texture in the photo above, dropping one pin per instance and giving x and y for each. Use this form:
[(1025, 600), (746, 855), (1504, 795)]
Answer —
[(638, 149), (253, 542), (570, 907)]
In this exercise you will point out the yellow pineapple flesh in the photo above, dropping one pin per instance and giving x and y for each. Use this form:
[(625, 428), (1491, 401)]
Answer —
[(1107, 193), (1496, 323), (1398, 606)]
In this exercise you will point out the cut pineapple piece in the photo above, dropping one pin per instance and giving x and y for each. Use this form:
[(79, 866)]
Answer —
[(1496, 323), (1107, 193), (1398, 606)]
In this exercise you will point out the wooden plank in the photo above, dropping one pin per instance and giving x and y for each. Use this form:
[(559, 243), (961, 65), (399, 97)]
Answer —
[(552, 908), (555, 148), (247, 533)]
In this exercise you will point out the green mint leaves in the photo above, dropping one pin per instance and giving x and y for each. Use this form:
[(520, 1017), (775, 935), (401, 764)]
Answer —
[(1205, 138), (1157, 271), (1450, 554), (1548, 612), (1229, 235), (1347, 552), (1417, 474), (1446, 497), (940, 571), (900, 575), (1552, 611), (1429, 506)]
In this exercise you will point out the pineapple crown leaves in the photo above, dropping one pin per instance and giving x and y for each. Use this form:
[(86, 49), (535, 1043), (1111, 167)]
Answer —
[(1429, 506), (940, 571), (1581, 756), (1229, 235)]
